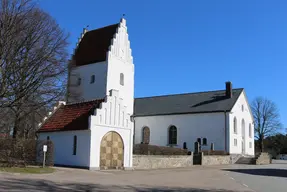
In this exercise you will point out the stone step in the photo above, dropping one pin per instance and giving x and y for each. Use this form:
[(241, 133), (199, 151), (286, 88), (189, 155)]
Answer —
[(245, 160)]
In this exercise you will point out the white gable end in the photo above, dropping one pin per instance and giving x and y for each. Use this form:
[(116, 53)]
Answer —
[(241, 128), (112, 112)]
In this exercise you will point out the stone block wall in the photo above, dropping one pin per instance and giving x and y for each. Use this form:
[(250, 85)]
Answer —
[(161, 161), (216, 160)]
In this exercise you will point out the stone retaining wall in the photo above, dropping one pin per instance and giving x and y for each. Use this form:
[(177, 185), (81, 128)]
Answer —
[(160, 161), (216, 160)]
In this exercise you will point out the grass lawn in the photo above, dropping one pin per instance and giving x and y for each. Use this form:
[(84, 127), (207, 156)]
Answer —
[(34, 170)]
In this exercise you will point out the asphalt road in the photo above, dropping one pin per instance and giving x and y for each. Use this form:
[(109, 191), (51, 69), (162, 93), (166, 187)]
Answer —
[(262, 178), (224, 178)]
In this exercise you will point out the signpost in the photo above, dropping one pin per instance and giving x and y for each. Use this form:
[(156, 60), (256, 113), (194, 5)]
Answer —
[(44, 150)]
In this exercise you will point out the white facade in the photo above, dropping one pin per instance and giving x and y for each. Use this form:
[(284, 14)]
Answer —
[(189, 128), (87, 90), (108, 73), (112, 115), (244, 135), (215, 127), (114, 81), (63, 147)]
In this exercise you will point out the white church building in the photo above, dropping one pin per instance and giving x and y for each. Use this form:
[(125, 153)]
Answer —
[(100, 121)]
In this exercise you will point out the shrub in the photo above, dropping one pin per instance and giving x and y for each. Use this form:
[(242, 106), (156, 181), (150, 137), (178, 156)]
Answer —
[(145, 149), (23, 152), (208, 152)]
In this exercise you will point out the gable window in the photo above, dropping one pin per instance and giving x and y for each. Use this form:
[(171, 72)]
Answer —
[(250, 130), (122, 79), (75, 146), (48, 138), (79, 81), (199, 141), (243, 128), (92, 79), (172, 133), (146, 135), (235, 125), (235, 142), (204, 141), (242, 108)]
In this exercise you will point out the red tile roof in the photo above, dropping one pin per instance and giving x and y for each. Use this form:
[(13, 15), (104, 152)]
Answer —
[(71, 117), (94, 45)]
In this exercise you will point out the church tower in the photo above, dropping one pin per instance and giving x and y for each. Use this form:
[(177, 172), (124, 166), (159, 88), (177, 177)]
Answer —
[(102, 61)]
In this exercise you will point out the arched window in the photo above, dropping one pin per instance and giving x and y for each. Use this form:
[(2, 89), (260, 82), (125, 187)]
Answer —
[(48, 138), (243, 128), (235, 125), (184, 145), (122, 79), (146, 135), (79, 81), (199, 141), (172, 133), (204, 141), (75, 145), (250, 130), (92, 79)]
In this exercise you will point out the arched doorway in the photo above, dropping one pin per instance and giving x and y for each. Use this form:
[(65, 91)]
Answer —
[(112, 151)]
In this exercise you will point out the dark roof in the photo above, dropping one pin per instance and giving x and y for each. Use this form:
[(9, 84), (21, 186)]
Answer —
[(202, 102), (71, 117), (94, 45)]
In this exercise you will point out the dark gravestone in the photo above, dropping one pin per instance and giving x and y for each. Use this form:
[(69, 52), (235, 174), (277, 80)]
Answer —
[(196, 147)]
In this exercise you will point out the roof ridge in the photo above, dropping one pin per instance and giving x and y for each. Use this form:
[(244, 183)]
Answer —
[(86, 101), (103, 27), (191, 93)]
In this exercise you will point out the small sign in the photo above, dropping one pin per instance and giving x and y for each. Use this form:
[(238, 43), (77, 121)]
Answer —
[(45, 148)]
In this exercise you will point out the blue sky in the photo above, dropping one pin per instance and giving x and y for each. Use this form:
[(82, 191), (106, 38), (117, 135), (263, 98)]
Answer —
[(189, 46)]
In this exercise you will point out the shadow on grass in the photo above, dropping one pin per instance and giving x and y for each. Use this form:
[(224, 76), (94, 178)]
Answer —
[(261, 172), (41, 185)]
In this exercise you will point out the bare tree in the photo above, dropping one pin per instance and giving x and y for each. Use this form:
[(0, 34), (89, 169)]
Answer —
[(266, 119), (33, 61)]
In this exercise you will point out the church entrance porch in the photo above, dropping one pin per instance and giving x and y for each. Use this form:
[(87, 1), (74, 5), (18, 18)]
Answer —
[(112, 151)]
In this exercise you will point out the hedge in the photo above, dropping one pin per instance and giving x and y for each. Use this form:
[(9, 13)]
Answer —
[(23, 152), (145, 149), (209, 152)]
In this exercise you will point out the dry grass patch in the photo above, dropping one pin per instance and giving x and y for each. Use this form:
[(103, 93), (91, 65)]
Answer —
[(31, 170)]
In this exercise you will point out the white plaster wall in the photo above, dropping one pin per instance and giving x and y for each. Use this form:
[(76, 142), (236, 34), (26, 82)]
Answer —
[(88, 91), (112, 115), (107, 74), (246, 114), (98, 132), (189, 128), (120, 60), (63, 147)]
